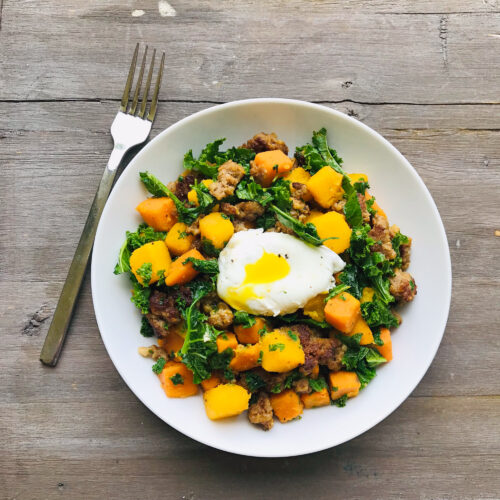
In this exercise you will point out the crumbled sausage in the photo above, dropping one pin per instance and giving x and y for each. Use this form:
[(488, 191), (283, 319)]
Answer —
[(219, 313), (265, 142), (318, 350), (246, 210), (364, 210), (405, 251), (164, 311), (153, 351), (300, 209), (159, 325), (339, 206), (183, 186), (381, 234), (242, 225), (402, 286), (230, 173), (261, 412), (302, 386), (194, 228)]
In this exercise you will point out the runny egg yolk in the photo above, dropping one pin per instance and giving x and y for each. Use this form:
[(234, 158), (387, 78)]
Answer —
[(269, 268)]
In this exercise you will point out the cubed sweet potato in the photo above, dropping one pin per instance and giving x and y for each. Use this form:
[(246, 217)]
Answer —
[(245, 358), (226, 340), (225, 400), (159, 213), (343, 311), (182, 271), (342, 383), (271, 164), (172, 344), (286, 405), (178, 241), (177, 380), (250, 335), (361, 326), (154, 253), (211, 382), (386, 349), (281, 352), (316, 399), (326, 187), (332, 225), (217, 228)]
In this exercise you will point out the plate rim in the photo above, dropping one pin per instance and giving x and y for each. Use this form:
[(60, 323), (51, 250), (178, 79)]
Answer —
[(448, 272)]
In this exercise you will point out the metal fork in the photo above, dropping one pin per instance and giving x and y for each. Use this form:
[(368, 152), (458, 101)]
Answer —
[(127, 130)]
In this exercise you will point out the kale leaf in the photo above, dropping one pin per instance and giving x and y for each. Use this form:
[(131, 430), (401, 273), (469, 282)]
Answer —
[(315, 156), (317, 384), (377, 313), (254, 382), (210, 266), (146, 328), (140, 295), (244, 319)]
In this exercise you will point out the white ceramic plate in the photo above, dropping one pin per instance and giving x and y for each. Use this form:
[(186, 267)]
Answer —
[(398, 189)]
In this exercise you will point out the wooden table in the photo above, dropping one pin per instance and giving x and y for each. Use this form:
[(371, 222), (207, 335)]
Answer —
[(424, 73)]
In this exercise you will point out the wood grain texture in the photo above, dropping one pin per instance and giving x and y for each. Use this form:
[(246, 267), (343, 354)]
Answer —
[(424, 74)]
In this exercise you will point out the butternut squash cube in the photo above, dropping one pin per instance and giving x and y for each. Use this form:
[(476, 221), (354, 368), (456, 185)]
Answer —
[(286, 405), (177, 380), (326, 187), (250, 335), (210, 383), (172, 344), (361, 326), (245, 358), (159, 213), (386, 349), (225, 400), (270, 164), (333, 224), (217, 228), (154, 253), (181, 271), (226, 340), (342, 383), (281, 352), (178, 241), (316, 399), (343, 311)]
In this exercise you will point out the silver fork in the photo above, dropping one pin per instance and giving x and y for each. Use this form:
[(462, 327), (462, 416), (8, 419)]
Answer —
[(127, 130)]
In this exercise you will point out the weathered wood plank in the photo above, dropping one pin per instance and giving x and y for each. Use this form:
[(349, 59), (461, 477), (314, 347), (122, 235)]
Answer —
[(412, 454), (248, 49)]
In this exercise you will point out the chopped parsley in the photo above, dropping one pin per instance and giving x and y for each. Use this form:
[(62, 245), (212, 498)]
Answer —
[(292, 335), (254, 382), (159, 365), (318, 384), (177, 379), (275, 347), (244, 319), (340, 402)]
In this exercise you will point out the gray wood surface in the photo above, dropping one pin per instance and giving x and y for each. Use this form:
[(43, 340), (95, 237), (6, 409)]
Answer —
[(425, 74)]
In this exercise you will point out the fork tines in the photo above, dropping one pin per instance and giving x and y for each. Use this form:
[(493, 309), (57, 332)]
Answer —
[(131, 110)]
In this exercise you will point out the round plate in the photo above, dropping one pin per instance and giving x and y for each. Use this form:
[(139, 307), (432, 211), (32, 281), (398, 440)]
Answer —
[(398, 189)]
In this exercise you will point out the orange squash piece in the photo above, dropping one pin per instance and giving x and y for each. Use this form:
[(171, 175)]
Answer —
[(342, 383), (316, 399), (286, 405), (159, 213), (343, 311), (361, 326), (211, 382), (177, 380), (180, 271), (226, 340), (245, 358), (271, 164), (172, 344), (249, 335), (386, 349)]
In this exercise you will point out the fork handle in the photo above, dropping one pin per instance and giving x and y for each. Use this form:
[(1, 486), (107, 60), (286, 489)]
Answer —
[(64, 310)]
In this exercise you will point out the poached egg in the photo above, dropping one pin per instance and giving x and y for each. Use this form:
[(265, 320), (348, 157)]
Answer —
[(271, 273)]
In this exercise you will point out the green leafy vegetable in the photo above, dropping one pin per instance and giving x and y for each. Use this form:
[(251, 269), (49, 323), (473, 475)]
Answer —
[(398, 240), (377, 313), (140, 296), (361, 186), (318, 384), (146, 328), (376, 336), (276, 389), (297, 318), (250, 190), (159, 365), (145, 272), (254, 382), (208, 248), (360, 359), (185, 214), (340, 402), (291, 378), (335, 291), (292, 335), (275, 347), (177, 379), (306, 232), (133, 241), (352, 210), (244, 319), (315, 156), (204, 266)]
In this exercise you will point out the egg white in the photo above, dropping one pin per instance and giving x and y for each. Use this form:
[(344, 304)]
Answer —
[(310, 272)]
